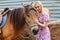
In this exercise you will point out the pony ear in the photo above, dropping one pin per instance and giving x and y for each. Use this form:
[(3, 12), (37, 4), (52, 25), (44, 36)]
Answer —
[(6, 9), (23, 4)]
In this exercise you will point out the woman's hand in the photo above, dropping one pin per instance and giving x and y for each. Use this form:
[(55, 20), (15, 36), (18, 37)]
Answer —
[(42, 25), (36, 20)]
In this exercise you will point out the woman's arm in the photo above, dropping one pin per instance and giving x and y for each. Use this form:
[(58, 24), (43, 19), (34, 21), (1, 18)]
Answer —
[(42, 25)]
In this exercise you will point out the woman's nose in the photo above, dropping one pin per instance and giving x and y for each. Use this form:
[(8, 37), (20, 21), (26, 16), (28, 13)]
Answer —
[(37, 8)]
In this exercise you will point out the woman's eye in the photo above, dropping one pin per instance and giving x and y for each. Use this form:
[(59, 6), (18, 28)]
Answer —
[(37, 7)]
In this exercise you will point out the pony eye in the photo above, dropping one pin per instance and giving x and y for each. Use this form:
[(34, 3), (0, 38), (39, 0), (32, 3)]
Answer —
[(28, 15)]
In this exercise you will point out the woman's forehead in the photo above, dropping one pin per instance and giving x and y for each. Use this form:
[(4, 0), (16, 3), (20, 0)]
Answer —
[(37, 4)]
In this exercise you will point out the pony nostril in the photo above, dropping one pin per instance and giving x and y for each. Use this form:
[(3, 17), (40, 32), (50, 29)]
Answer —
[(35, 31), (27, 35)]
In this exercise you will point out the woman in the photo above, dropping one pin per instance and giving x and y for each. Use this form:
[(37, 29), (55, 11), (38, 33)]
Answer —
[(42, 19)]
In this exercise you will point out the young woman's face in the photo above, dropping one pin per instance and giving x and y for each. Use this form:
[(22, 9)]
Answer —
[(38, 7)]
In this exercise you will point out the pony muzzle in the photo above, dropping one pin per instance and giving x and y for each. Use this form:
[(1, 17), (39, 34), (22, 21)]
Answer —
[(34, 29)]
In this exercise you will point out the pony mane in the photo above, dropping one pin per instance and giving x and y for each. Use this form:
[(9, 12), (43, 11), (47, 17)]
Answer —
[(17, 18)]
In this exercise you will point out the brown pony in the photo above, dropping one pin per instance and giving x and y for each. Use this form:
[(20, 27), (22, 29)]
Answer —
[(17, 26)]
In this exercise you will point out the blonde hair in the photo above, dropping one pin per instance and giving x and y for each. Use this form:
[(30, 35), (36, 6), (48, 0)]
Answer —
[(38, 2)]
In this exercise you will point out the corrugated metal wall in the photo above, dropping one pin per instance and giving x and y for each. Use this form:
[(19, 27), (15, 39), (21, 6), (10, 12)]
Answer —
[(53, 6)]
